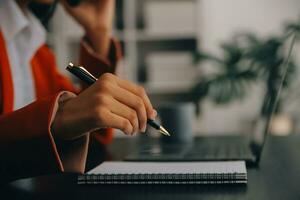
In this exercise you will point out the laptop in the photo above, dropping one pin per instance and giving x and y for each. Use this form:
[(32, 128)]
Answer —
[(228, 148)]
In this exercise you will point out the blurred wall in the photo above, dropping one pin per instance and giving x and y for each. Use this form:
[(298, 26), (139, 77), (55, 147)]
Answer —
[(219, 21)]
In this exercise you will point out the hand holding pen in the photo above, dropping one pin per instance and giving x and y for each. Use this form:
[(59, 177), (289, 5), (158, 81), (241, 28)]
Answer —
[(108, 102)]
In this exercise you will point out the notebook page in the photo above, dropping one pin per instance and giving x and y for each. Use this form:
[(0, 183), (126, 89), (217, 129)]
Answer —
[(170, 167)]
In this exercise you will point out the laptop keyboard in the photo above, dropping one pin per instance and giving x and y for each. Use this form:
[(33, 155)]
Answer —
[(222, 150)]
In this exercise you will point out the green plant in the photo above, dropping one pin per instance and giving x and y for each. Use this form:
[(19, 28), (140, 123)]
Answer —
[(246, 59)]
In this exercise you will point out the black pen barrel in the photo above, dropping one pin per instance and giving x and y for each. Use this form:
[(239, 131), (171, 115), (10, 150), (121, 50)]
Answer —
[(153, 124)]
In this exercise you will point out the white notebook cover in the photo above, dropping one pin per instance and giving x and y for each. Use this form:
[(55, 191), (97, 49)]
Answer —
[(224, 167)]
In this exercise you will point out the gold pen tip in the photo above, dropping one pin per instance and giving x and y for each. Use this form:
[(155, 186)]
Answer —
[(164, 131)]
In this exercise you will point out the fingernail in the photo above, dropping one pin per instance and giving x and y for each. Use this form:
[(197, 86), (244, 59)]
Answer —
[(154, 113), (144, 129)]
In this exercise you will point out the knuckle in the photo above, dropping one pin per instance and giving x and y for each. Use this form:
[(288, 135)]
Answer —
[(141, 91), (102, 100), (141, 112), (105, 86), (139, 103), (126, 126), (140, 108), (99, 115), (132, 116), (107, 76)]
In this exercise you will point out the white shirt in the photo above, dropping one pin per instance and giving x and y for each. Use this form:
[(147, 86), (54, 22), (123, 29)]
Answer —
[(23, 35)]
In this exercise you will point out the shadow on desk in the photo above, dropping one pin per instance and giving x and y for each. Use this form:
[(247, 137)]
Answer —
[(278, 177)]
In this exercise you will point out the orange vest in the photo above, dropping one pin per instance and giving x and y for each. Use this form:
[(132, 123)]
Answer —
[(32, 121)]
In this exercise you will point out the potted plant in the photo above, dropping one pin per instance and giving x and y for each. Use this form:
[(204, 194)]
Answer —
[(247, 59)]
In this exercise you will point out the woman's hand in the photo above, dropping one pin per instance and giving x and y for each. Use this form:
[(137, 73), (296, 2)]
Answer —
[(96, 17), (110, 102)]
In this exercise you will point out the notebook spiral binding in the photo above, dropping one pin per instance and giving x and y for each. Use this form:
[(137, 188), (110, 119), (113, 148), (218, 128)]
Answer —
[(211, 178)]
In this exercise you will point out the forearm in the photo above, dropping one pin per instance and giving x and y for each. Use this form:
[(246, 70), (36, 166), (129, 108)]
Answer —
[(99, 41), (96, 17), (98, 65), (100, 34)]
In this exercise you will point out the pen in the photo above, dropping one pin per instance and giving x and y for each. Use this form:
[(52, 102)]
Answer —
[(89, 79)]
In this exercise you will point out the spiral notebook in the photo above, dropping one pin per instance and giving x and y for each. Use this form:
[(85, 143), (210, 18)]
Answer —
[(220, 172)]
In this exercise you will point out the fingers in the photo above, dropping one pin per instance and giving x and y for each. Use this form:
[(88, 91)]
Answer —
[(125, 112), (134, 102), (139, 91), (118, 122), (125, 100)]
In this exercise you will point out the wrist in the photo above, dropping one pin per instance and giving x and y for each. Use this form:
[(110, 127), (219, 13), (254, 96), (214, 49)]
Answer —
[(99, 40), (58, 126), (61, 124)]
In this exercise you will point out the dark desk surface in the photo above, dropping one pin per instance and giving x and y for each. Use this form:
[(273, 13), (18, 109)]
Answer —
[(278, 177)]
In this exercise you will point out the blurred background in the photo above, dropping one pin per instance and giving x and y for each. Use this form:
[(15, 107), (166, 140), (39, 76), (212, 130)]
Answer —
[(221, 55)]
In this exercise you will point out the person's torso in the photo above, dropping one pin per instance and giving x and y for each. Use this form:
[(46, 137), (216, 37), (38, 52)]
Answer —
[(23, 57)]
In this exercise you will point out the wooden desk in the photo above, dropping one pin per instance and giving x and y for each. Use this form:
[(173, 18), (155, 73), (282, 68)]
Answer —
[(278, 177)]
